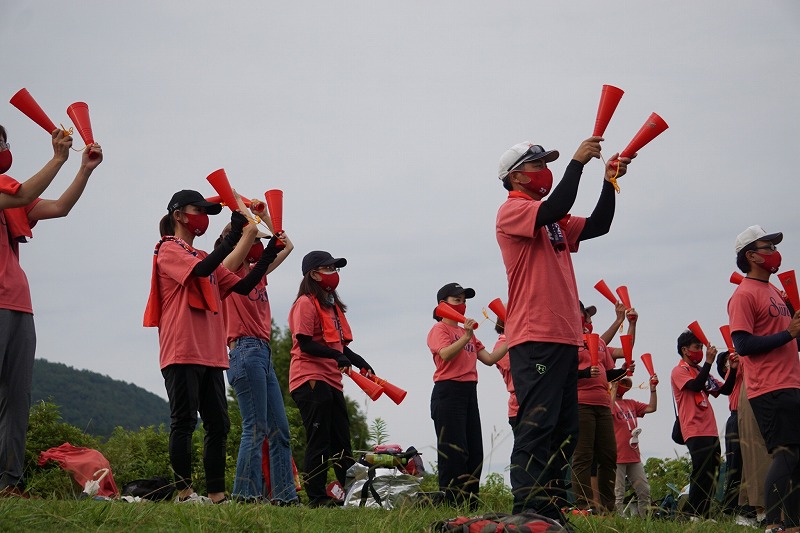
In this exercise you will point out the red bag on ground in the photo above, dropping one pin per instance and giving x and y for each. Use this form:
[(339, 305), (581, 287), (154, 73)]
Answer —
[(82, 463), (526, 522)]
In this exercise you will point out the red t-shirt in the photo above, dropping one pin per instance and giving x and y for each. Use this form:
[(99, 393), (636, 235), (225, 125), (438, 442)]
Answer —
[(248, 315), (542, 293), (462, 367), (594, 391), (15, 293), (626, 414), (757, 307), (697, 419), (733, 399), (304, 320), (186, 335), (504, 366)]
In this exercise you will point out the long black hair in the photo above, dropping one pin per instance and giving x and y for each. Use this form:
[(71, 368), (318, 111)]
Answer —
[(310, 286), (166, 225)]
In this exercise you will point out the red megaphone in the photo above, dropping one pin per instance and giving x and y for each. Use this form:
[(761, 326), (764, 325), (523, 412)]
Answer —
[(372, 389), (647, 359), (496, 306), (622, 292), (627, 350), (609, 99), (25, 103), (79, 114), (445, 311), (395, 393), (603, 289), (695, 328), (274, 199), (789, 282), (726, 334), (593, 343), (652, 128), (736, 278), (219, 180), (218, 200)]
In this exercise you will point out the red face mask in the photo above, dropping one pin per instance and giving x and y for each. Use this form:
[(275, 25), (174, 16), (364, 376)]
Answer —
[(587, 328), (541, 181), (459, 308), (622, 389), (695, 356), (772, 262), (255, 252), (197, 223), (5, 161), (329, 282)]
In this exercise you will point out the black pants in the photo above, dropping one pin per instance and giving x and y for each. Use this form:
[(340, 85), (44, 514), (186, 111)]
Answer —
[(324, 414), (733, 465), (545, 378), (193, 388), (454, 410), (705, 453)]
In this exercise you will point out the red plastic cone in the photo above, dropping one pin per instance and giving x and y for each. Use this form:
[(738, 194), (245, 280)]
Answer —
[(593, 343), (647, 359), (496, 306), (274, 199), (609, 99), (219, 180), (695, 328), (627, 350), (445, 311), (395, 393), (652, 128), (218, 200), (25, 103), (605, 291), (789, 282), (736, 278), (622, 292), (726, 334), (372, 389), (79, 114)]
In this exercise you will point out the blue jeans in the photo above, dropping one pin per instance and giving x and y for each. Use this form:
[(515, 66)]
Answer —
[(261, 403)]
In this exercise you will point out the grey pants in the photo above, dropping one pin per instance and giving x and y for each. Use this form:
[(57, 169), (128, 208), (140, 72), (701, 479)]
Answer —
[(17, 350)]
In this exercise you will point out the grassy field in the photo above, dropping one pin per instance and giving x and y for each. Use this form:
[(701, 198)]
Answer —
[(65, 516)]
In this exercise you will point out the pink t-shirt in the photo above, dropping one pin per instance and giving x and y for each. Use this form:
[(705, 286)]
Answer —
[(504, 366), (304, 320), (697, 420), (542, 294), (248, 315), (186, 335), (462, 367), (626, 413), (594, 391), (15, 293), (757, 307)]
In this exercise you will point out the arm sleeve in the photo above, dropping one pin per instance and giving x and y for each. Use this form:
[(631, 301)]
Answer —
[(749, 344), (585, 373), (316, 349), (562, 198), (730, 381), (615, 373), (599, 222), (698, 384), (247, 283), (207, 266), (357, 360)]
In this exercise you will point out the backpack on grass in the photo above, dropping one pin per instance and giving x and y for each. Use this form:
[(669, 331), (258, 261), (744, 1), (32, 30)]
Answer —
[(526, 522)]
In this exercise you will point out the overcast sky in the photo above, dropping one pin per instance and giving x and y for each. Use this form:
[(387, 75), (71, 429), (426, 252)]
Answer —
[(383, 124)]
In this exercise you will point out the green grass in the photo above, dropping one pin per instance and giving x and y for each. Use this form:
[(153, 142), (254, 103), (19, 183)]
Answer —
[(64, 516)]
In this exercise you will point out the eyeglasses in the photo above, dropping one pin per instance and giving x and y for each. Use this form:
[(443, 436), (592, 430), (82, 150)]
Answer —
[(328, 270), (534, 149), (769, 246), (4, 146)]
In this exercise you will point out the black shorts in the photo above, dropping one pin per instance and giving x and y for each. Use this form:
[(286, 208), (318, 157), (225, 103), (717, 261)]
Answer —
[(776, 414)]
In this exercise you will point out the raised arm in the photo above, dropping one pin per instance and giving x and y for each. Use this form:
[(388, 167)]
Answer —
[(33, 187)]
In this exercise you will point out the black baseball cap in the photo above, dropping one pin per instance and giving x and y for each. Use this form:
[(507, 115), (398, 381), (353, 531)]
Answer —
[(591, 310), (189, 197), (318, 258), (453, 289)]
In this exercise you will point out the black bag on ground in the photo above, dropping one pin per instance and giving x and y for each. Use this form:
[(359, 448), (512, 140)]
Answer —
[(155, 488)]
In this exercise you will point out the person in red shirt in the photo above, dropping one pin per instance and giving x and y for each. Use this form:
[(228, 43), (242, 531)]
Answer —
[(626, 413), (505, 370), (691, 386), (321, 353), (536, 237), (454, 399), (765, 332), (20, 210), (186, 291), (248, 324)]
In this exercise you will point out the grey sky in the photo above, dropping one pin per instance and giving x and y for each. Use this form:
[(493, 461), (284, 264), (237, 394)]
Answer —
[(383, 124)]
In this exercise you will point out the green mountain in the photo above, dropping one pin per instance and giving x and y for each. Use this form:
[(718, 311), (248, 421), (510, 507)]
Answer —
[(96, 403)]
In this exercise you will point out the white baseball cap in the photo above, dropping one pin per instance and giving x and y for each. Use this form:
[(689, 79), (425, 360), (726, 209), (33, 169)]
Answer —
[(522, 153), (753, 234)]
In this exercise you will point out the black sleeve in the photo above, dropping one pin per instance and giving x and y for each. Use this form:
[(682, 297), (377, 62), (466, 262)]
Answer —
[(316, 349), (699, 383), (585, 373), (615, 373), (562, 198), (749, 344), (357, 360), (599, 222), (247, 283), (204, 268), (730, 381)]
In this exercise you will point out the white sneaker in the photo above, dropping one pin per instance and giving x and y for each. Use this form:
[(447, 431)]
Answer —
[(742, 520), (194, 498)]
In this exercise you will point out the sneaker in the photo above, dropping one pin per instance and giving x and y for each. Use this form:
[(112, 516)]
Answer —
[(742, 520), (223, 501), (194, 498)]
